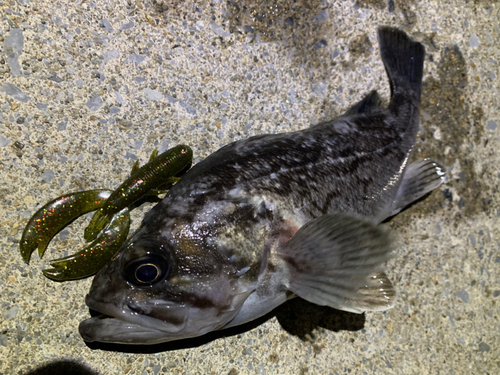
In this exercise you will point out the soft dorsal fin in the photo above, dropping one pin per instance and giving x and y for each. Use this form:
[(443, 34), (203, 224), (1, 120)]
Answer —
[(369, 104)]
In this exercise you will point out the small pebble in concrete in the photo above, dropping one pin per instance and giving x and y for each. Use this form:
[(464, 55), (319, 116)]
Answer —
[(492, 125), (15, 92), (474, 41), (463, 295), (94, 103)]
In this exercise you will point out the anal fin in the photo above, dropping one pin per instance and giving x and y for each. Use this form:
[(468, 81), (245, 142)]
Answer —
[(337, 260), (419, 179)]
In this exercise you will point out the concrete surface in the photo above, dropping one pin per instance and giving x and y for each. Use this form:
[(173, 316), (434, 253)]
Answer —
[(87, 87)]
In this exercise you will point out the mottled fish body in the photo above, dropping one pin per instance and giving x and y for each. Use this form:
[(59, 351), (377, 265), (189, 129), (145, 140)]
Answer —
[(272, 217)]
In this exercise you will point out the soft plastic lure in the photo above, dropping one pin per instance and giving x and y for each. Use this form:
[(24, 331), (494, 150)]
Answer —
[(55, 215), (91, 259), (158, 172)]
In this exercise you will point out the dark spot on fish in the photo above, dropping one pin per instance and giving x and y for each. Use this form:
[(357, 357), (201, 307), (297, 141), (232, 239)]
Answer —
[(165, 317), (200, 200), (301, 265), (202, 302)]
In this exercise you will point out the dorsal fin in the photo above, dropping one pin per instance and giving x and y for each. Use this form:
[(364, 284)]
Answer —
[(368, 104)]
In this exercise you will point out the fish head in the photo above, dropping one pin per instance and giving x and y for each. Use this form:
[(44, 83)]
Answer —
[(157, 290)]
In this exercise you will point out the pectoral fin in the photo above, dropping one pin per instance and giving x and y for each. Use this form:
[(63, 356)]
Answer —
[(336, 260)]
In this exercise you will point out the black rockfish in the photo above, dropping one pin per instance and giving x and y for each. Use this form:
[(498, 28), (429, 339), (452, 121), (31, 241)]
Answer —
[(272, 217)]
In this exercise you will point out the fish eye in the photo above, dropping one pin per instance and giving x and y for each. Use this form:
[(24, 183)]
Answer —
[(146, 270), (147, 264)]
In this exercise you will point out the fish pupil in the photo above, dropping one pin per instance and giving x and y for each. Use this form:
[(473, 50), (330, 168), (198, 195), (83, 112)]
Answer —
[(147, 273)]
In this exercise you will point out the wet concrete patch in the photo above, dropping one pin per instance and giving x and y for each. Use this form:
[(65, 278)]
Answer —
[(451, 133), (275, 19), (453, 130)]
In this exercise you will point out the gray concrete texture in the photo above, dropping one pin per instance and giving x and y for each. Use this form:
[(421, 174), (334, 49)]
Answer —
[(88, 87)]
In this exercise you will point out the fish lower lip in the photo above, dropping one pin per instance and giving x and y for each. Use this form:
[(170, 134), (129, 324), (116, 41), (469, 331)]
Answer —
[(127, 316), (111, 330)]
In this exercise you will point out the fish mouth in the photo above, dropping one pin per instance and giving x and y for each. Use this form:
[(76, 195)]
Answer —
[(128, 324)]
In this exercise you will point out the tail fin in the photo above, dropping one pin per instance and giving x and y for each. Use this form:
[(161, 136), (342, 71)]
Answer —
[(404, 62)]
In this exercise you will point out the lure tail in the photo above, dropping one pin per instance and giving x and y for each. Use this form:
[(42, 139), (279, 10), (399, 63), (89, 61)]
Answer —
[(96, 225)]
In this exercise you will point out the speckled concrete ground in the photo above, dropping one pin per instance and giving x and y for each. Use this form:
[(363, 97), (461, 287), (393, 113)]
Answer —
[(89, 86)]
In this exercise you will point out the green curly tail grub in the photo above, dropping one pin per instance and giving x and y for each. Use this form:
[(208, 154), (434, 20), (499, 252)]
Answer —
[(112, 218), (91, 259), (56, 215)]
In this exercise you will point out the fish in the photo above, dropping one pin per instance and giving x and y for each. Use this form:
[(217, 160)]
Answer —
[(273, 217)]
